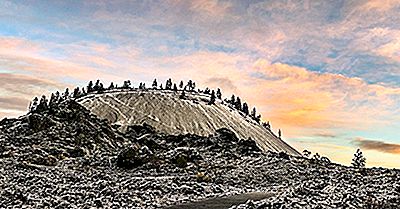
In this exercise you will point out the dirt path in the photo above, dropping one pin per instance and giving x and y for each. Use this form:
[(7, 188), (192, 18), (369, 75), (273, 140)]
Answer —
[(224, 202)]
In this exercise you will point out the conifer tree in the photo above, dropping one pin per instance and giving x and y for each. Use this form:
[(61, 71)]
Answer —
[(111, 87), (175, 88), (207, 91), (212, 99), (57, 97), (66, 94), (90, 87), (161, 87), (253, 112), (42, 106), (190, 85), (181, 85), (245, 108), (52, 101), (358, 160), (219, 94), (154, 85), (258, 118), (168, 84), (97, 86), (238, 104), (233, 100), (76, 93), (193, 86), (127, 84), (34, 104), (279, 133)]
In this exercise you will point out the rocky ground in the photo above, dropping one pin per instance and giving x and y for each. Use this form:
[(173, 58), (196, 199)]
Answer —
[(66, 157)]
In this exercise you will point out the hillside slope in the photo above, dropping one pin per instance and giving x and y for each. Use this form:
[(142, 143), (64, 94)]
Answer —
[(165, 111)]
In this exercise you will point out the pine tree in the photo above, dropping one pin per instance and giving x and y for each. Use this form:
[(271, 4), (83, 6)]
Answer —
[(161, 87), (34, 104), (90, 87), (66, 94), (190, 85), (154, 85), (168, 84), (57, 97), (238, 104), (358, 160), (111, 87), (52, 101), (97, 86), (127, 84), (233, 100), (253, 112), (207, 91), (279, 133), (306, 153), (83, 91), (76, 93), (258, 118), (193, 86), (42, 106), (175, 88), (245, 108), (219, 94), (181, 85), (212, 99)]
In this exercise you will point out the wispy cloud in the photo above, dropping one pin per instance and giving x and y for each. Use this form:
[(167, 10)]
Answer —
[(377, 145)]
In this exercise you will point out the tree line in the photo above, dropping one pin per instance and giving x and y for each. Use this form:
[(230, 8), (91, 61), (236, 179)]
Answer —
[(39, 105)]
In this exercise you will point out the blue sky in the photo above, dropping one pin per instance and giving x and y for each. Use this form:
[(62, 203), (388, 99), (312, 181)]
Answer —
[(326, 72)]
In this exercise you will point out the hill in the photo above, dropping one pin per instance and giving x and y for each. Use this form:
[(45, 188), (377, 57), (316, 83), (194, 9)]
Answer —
[(167, 112), (67, 157)]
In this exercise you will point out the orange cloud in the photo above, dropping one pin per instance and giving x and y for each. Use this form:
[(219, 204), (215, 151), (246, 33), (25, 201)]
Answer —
[(377, 145), (380, 5), (297, 98)]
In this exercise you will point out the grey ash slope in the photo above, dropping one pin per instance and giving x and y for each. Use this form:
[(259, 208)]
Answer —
[(169, 114)]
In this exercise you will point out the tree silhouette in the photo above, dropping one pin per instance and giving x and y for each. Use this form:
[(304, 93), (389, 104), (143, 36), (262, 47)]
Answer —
[(53, 100), (358, 160), (97, 86), (76, 93), (175, 88), (127, 84), (306, 153), (66, 94), (233, 100), (245, 108), (219, 94), (253, 112), (154, 85), (181, 85), (212, 99), (279, 133), (90, 87), (34, 105), (207, 91), (42, 106), (238, 103), (111, 87), (168, 84), (258, 118)]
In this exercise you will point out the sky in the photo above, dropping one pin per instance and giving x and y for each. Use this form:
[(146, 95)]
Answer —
[(325, 72)]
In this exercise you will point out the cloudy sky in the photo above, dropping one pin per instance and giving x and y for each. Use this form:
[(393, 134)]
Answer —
[(326, 72)]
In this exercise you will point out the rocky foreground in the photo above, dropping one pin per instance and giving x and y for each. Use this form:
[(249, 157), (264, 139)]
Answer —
[(66, 157)]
